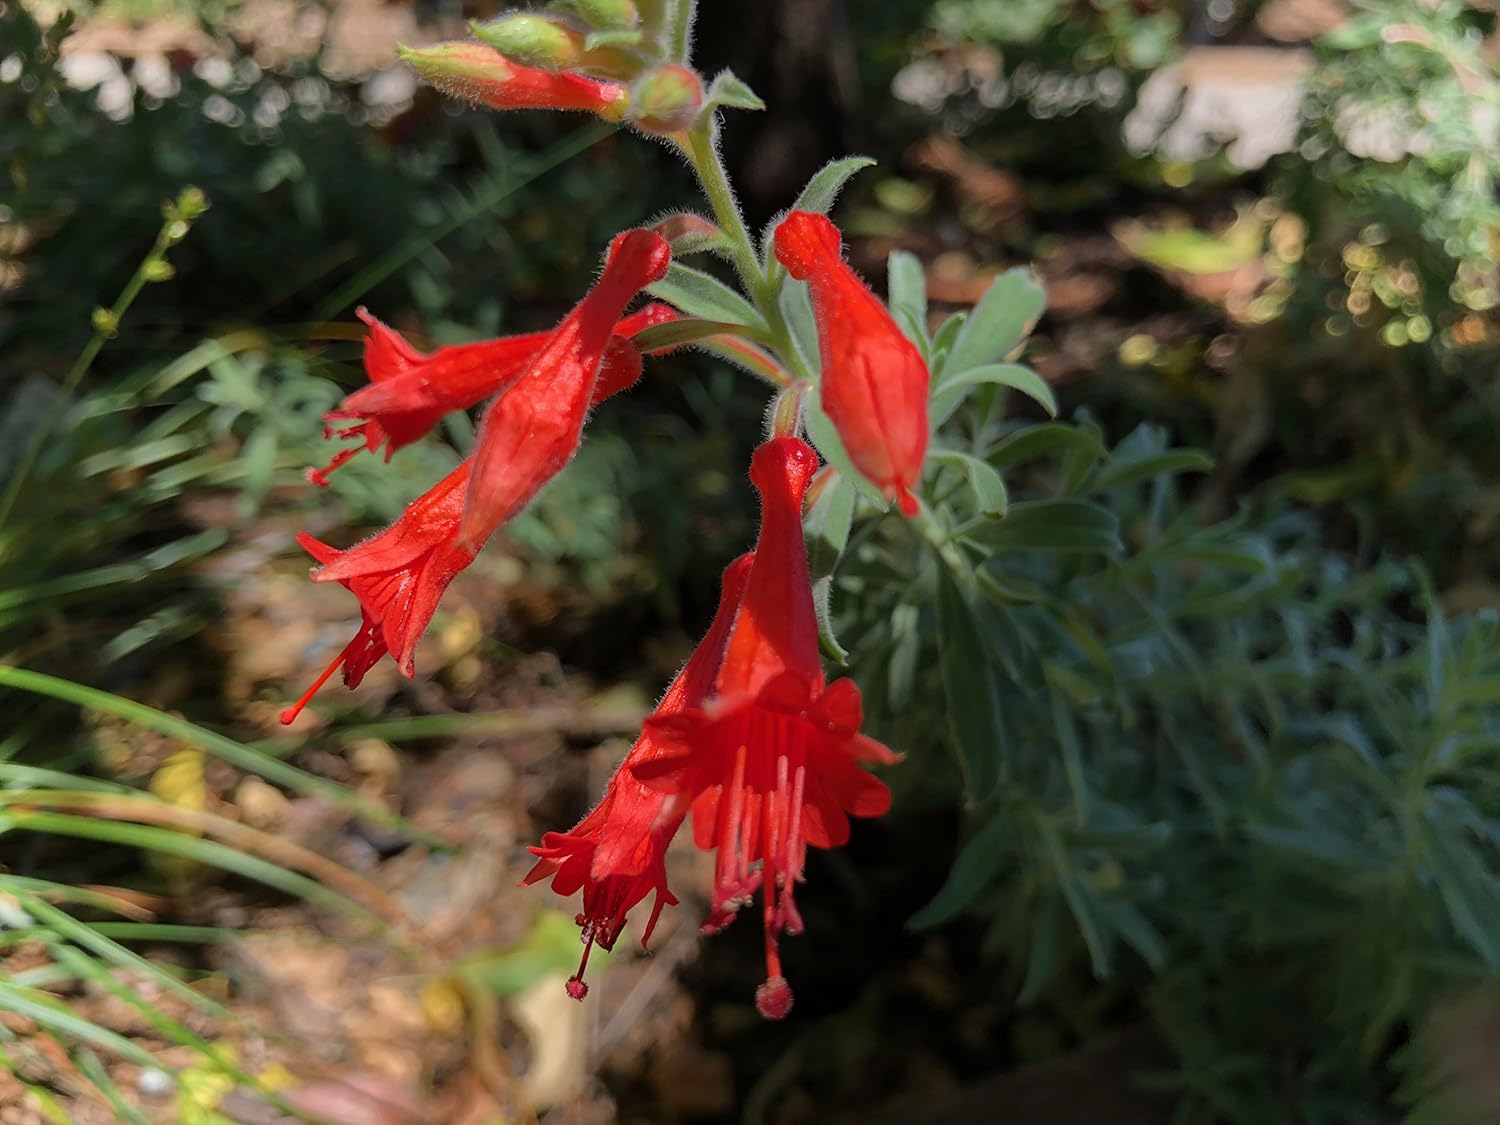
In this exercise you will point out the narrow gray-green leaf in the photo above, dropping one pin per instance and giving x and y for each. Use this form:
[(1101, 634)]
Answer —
[(1114, 475), (46, 1012), (822, 591), (827, 525), (942, 343), (823, 435), (727, 91), (1050, 525), (987, 484), (678, 333), (978, 862), (1047, 439), (700, 295), (970, 693), (906, 284), (1006, 312), (796, 309), (827, 182), (955, 388)]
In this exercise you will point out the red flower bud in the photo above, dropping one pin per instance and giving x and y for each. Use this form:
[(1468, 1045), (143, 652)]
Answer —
[(874, 381), (482, 75), (532, 431)]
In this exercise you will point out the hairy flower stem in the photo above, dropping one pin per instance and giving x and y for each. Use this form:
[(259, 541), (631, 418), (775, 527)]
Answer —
[(702, 152)]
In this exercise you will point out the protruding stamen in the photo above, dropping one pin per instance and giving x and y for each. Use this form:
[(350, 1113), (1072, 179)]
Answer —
[(289, 715), (731, 875), (788, 916), (319, 477), (773, 999), (577, 989)]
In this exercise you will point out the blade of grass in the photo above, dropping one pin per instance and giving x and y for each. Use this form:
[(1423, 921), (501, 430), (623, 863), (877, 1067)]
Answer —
[(86, 937), (45, 1011), (12, 773), (235, 753), (582, 722), (164, 931), (170, 842), (169, 1029), (111, 900), (43, 1097), (94, 1071), (241, 839)]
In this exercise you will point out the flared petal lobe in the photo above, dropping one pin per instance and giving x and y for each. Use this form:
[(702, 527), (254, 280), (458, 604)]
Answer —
[(874, 381), (616, 854), (532, 431), (774, 762), (398, 576), (410, 391)]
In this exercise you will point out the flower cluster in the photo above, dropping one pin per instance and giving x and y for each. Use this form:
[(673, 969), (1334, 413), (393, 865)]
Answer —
[(750, 739)]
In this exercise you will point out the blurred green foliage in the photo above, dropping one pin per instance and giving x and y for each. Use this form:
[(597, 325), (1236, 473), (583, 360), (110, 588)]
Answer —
[(1214, 771), (1352, 358)]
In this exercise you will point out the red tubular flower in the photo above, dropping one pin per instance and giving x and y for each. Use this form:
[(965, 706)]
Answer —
[(874, 381), (398, 577), (616, 854), (410, 391), (480, 74), (532, 431), (774, 763)]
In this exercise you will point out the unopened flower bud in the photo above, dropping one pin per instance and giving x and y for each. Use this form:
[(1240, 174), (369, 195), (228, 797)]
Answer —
[(532, 40), (535, 40), (666, 99), (481, 74)]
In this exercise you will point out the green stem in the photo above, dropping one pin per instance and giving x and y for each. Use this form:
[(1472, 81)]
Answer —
[(179, 217), (703, 154), (702, 151)]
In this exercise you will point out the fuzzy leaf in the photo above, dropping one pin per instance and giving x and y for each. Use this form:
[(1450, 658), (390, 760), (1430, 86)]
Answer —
[(988, 486), (662, 337), (823, 435), (906, 284), (727, 91), (827, 182), (998, 323), (827, 525), (700, 295), (948, 396), (822, 591)]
